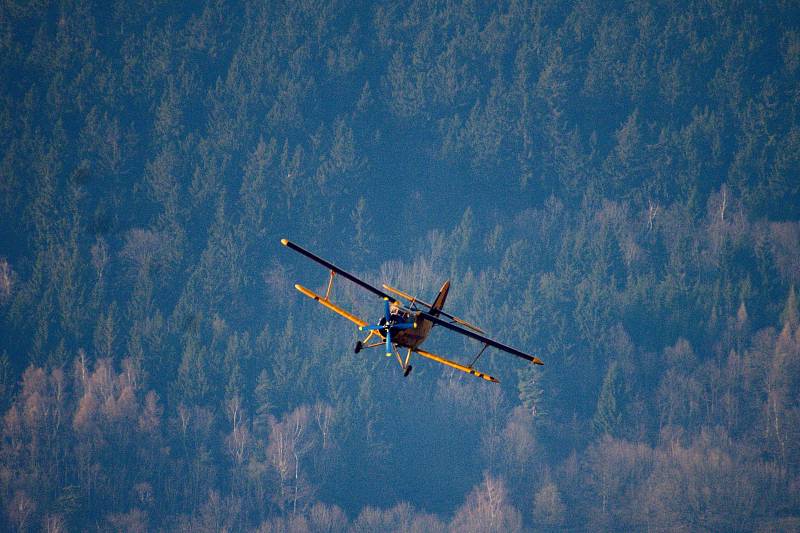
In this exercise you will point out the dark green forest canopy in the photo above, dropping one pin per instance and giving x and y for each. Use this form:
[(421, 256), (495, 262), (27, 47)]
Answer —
[(614, 187)]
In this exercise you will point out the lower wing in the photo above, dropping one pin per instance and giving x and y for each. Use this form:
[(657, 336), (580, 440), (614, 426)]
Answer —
[(330, 305), (453, 364)]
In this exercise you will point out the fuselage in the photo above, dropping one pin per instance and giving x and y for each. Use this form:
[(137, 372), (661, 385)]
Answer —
[(414, 337)]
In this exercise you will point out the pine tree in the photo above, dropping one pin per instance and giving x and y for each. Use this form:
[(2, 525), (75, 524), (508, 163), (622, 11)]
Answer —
[(263, 404), (790, 312), (104, 333), (608, 416), (192, 382), (530, 390)]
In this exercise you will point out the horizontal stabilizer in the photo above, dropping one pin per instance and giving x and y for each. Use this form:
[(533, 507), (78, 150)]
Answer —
[(414, 299)]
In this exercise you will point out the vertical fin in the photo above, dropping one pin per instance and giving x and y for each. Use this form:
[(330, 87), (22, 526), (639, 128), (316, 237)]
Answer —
[(438, 303)]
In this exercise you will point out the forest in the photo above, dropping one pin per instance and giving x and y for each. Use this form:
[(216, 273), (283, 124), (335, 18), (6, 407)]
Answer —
[(611, 186)]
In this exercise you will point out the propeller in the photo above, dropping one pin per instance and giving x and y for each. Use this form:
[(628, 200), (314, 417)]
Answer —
[(388, 326)]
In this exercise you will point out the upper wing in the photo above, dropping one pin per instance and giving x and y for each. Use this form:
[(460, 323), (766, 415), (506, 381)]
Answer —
[(338, 270), (476, 336)]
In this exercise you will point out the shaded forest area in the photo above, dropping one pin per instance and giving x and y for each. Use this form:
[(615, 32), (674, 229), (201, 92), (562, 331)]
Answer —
[(614, 187)]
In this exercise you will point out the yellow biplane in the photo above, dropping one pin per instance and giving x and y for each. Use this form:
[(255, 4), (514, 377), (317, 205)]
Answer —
[(405, 327)]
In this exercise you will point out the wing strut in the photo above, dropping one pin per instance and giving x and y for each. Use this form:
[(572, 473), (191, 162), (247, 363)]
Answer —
[(330, 286), (479, 355)]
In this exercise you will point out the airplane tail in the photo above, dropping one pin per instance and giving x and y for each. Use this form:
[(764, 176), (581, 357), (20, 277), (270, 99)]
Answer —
[(438, 303)]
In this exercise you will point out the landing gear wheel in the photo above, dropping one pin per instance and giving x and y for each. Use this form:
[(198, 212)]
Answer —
[(358, 347), (407, 371)]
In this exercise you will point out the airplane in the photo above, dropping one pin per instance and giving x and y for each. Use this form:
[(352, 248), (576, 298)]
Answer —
[(406, 327)]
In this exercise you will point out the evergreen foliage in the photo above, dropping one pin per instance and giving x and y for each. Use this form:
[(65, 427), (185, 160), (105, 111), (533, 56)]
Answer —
[(612, 186)]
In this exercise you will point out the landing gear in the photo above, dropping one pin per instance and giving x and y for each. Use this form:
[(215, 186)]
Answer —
[(358, 347), (407, 371)]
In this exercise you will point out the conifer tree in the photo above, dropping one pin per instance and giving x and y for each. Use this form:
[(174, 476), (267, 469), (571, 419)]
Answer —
[(263, 404), (790, 311), (608, 415)]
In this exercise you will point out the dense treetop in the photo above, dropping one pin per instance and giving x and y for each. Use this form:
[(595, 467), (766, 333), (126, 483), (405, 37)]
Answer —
[(614, 187)]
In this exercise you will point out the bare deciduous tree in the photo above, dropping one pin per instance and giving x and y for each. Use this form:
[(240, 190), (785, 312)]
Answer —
[(20, 510), (290, 440), (548, 508), (487, 509), (6, 280)]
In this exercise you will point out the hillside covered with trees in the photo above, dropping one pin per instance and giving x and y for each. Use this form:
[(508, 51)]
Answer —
[(614, 187)]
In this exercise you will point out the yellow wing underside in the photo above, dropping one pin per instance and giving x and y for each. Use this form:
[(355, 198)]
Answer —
[(330, 305), (360, 323), (453, 364)]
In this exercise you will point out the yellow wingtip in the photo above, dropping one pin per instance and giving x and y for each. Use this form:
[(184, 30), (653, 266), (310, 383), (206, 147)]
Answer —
[(284, 241), (537, 361)]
